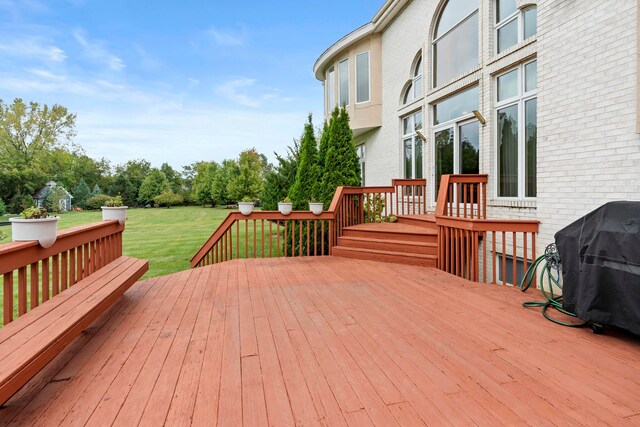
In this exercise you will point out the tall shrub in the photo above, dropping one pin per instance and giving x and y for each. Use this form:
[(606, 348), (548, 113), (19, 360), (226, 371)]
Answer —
[(305, 185), (279, 180), (341, 164)]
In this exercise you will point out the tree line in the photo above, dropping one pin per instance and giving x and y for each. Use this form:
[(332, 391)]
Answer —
[(36, 146)]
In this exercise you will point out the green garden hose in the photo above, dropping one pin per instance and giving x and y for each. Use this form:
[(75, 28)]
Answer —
[(550, 262)]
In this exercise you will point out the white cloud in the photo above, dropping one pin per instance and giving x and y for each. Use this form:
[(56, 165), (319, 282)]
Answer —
[(237, 91), (96, 51), (32, 47), (226, 37)]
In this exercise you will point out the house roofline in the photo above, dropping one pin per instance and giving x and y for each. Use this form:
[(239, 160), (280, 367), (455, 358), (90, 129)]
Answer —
[(379, 23)]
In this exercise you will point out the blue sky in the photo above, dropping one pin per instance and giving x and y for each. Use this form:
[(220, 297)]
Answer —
[(174, 81)]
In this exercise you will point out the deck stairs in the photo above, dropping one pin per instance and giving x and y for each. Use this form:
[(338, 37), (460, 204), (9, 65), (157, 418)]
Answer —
[(412, 240)]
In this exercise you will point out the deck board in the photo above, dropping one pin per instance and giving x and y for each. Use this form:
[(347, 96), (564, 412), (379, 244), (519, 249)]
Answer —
[(333, 342)]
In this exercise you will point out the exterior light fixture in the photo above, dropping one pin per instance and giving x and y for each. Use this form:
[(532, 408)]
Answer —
[(480, 117), (421, 135)]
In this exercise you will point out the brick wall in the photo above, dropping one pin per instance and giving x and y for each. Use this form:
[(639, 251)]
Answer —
[(588, 148)]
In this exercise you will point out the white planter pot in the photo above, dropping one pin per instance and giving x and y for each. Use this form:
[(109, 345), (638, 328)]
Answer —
[(44, 230), (285, 207), (118, 213), (316, 207), (246, 207)]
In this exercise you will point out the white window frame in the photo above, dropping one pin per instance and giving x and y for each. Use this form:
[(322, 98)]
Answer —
[(519, 100), (519, 15), (331, 89), (414, 137), (361, 150), (340, 86), (436, 40), (369, 76), (455, 124), (416, 74)]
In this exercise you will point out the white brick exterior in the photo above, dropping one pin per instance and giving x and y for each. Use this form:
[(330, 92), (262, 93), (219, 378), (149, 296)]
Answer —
[(588, 148)]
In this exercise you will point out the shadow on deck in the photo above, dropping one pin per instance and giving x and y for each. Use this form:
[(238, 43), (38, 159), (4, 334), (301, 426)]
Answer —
[(331, 341)]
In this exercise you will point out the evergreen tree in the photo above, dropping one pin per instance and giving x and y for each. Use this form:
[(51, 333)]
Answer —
[(308, 173), (341, 165), (279, 181), (154, 184), (96, 190), (81, 193)]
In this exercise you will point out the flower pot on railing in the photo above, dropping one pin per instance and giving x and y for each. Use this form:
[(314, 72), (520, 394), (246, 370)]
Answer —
[(285, 207), (44, 230), (246, 207), (117, 213), (316, 207)]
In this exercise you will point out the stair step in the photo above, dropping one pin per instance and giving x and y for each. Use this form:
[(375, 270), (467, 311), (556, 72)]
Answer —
[(430, 248), (426, 221), (392, 231), (385, 256)]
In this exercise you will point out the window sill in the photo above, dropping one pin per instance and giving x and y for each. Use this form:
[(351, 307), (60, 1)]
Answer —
[(413, 105), (513, 203), (467, 79), (496, 63)]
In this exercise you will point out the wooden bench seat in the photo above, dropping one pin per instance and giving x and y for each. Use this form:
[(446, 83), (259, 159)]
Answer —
[(34, 339)]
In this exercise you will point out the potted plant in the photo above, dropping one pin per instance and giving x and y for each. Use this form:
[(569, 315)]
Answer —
[(246, 205), (35, 224), (285, 206), (113, 210), (315, 206)]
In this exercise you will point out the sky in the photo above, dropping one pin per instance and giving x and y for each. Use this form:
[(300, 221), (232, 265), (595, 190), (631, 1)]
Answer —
[(174, 81)]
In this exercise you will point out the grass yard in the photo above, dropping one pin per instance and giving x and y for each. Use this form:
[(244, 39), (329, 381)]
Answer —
[(168, 238)]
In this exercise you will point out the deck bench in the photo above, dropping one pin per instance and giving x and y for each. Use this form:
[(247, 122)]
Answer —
[(31, 341)]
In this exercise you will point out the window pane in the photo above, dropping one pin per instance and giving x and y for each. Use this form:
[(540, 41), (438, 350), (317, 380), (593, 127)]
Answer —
[(417, 117), (508, 85), (470, 148), (419, 166), (456, 52), (530, 141), (343, 75), (418, 70), (530, 22), (454, 12), (444, 154), (531, 76), (417, 87), (508, 36), (458, 105), (362, 78), (331, 88), (408, 95), (504, 9), (508, 152), (408, 157), (407, 125)]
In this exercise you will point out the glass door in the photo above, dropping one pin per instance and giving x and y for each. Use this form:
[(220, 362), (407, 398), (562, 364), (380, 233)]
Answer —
[(457, 150)]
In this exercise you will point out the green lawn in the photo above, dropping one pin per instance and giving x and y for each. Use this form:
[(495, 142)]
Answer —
[(168, 238)]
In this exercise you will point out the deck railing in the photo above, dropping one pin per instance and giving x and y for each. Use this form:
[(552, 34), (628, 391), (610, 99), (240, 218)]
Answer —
[(265, 234), (37, 274), (464, 233)]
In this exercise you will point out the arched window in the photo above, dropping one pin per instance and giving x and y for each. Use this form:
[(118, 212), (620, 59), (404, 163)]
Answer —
[(414, 90), (455, 45), (513, 25)]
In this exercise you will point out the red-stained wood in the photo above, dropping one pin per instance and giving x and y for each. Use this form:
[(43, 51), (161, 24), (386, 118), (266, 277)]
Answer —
[(331, 341), (32, 341)]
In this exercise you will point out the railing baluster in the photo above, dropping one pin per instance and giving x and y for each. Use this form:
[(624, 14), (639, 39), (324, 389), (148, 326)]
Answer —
[(7, 288), (22, 291)]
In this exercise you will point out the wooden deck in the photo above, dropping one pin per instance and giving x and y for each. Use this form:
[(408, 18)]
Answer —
[(331, 341)]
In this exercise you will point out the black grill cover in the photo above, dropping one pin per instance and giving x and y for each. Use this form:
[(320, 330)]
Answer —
[(600, 256)]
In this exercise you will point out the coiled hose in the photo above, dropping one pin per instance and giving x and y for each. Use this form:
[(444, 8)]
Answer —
[(551, 263)]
